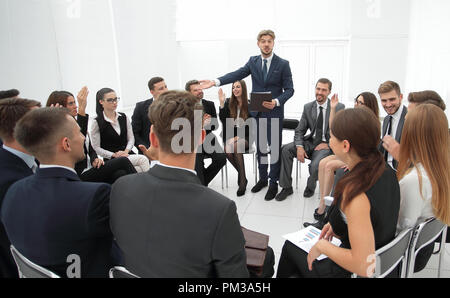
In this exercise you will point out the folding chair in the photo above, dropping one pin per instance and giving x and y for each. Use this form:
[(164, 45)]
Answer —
[(392, 254), (426, 233), (121, 272), (28, 269)]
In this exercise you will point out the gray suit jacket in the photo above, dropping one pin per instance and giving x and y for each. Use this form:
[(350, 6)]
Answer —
[(308, 122), (168, 225), (398, 133)]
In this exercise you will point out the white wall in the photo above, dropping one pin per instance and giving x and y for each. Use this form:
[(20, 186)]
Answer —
[(429, 56), (58, 44)]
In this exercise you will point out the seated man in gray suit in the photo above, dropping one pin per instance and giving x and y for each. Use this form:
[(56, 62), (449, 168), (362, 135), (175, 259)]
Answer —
[(165, 221), (314, 146)]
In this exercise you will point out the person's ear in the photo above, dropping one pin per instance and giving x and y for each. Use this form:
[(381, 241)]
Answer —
[(346, 147), (65, 144), (153, 138)]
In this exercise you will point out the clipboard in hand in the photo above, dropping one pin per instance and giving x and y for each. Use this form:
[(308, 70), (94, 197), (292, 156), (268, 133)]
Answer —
[(257, 99)]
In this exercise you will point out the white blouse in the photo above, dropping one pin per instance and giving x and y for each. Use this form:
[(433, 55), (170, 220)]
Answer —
[(414, 207), (95, 136)]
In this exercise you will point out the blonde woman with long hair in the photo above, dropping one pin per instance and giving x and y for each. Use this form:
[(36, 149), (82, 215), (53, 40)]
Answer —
[(423, 171)]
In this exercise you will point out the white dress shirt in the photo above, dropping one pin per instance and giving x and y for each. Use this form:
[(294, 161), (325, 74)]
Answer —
[(57, 166), (95, 136), (324, 112), (395, 121), (415, 206), (157, 162)]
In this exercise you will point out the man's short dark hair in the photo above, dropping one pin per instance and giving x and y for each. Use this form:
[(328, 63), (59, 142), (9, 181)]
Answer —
[(40, 129), (325, 81), (389, 86), (171, 106), (11, 111), (9, 93), (188, 85), (427, 96), (153, 81)]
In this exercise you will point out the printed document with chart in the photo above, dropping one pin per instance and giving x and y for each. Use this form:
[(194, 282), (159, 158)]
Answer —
[(307, 238)]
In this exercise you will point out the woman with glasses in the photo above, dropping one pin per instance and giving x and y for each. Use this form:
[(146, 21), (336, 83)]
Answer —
[(92, 168), (111, 132), (330, 164)]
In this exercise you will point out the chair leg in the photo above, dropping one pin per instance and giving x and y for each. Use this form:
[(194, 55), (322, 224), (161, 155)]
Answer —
[(296, 176), (442, 252), (255, 167), (221, 174), (226, 174)]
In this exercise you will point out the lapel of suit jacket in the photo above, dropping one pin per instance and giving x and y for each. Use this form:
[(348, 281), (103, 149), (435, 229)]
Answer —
[(385, 124), (273, 66), (327, 119), (314, 117), (398, 134)]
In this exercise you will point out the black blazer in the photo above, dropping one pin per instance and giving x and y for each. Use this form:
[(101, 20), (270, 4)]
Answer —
[(52, 214), (81, 165), (224, 114), (141, 123), (169, 225), (12, 169)]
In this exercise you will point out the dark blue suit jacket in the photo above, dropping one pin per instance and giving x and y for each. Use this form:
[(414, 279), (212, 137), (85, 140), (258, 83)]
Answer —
[(141, 123), (13, 168), (279, 81), (52, 214)]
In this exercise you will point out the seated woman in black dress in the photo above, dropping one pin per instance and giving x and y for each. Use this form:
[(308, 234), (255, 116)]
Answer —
[(367, 202), (236, 135), (92, 168)]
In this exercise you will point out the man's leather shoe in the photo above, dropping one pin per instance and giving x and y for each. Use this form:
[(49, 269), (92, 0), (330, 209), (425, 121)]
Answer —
[(272, 192), (308, 192), (318, 216), (319, 225), (284, 193), (260, 185)]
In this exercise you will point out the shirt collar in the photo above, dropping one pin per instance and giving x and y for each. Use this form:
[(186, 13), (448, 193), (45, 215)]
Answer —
[(324, 105), (28, 159), (57, 166), (268, 59), (109, 120), (157, 162)]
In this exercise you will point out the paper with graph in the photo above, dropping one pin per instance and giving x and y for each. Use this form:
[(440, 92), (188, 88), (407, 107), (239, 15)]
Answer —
[(307, 238)]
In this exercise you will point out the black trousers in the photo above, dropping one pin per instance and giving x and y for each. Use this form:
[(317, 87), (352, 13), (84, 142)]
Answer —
[(112, 170), (206, 175), (293, 263)]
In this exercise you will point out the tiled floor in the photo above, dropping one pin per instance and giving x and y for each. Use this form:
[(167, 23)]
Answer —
[(279, 218)]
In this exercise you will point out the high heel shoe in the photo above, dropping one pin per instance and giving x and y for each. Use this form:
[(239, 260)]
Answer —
[(242, 189)]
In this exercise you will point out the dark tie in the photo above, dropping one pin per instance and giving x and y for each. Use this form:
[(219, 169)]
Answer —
[(265, 70), (319, 128), (388, 133)]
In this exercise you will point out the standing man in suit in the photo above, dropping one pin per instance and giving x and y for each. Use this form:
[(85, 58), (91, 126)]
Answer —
[(210, 148), (16, 163), (269, 73), (69, 218), (315, 146), (391, 100), (165, 221), (139, 121)]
